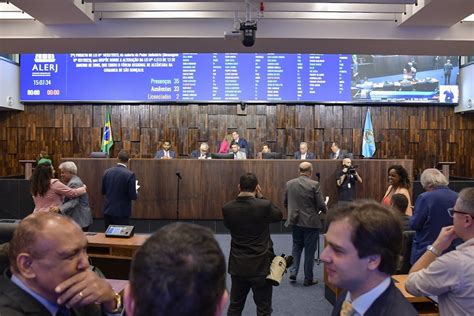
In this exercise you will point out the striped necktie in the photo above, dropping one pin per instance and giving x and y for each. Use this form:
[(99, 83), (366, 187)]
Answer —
[(347, 309)]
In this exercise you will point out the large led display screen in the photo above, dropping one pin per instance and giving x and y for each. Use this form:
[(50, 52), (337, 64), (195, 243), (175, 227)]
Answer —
[(237, 77)]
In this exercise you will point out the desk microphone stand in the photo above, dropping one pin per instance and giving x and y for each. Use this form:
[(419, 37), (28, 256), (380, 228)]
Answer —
[(179, 178)]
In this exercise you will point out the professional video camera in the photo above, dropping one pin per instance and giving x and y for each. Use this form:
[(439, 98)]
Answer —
[(352, 170), (278, 268)]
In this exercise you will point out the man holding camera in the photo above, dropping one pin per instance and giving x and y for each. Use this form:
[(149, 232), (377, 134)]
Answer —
[(346, 181)]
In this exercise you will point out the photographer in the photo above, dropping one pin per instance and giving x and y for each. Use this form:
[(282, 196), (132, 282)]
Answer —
[(346, 181)]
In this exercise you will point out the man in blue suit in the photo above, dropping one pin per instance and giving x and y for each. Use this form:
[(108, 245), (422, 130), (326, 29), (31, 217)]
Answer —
[(119, 188), (165, 152), (303, 153), (242, 142)]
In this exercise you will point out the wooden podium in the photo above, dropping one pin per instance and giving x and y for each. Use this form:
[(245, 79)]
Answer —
[(445, 167), (113, 256), (28, 167)]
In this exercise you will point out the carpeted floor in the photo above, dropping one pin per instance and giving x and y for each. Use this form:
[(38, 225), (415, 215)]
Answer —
[(289, 298)]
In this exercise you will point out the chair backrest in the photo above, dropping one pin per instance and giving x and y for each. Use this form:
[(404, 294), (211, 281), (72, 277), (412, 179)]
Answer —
[(405, 254), (7, 227), (99, 154)]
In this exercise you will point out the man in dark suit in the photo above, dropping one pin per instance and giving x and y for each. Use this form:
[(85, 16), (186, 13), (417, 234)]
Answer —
[(120, 188), (165, 152), (304, 202), (202, 153), (303, 153), (49, 272), (338, 153), (242, 142), (248, 218), (364, 239)]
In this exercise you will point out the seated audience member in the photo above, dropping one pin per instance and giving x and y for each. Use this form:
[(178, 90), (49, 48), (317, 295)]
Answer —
[(48, 192), (242, 142), (235, 149), (449, 276), (429, 214), (265, 149), (338, 153), (303, 152), (363, 243), (49, 272), (165, 152), (76, 208), (400, 203), (224, 148), (202, 153), (179, 270), (399, 183)]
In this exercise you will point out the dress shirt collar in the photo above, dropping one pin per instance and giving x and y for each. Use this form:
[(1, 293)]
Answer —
[(467, 243), (363, 302), (336, 154), (122, 164), (50, 306), (303, 156)]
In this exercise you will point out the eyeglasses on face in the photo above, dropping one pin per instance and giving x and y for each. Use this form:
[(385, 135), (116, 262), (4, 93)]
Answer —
[(452, 211)]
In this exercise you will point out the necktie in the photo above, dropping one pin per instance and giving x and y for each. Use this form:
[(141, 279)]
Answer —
[(63, 311), (347, 309)]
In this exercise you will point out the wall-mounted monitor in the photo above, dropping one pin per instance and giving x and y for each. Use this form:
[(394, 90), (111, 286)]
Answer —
[(237, 77)]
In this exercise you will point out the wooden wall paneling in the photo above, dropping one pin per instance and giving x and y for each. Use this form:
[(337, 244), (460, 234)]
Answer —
[(58, 112), (318, 111), (281, 117), (227, 109), (192, 119), (346, 141), (357, 136), (146, 148), (260, 109), (143, 111), (115, 117), (319, 143), (193, 141), (30, 131), (213, 108), (83, 142), (3, 133), (12, 136), (271, 123), (414, 135), (281, 143), (83, 116), (67, 127), (96, 139)]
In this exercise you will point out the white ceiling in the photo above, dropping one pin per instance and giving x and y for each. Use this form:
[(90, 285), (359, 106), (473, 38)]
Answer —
[(423, 27)]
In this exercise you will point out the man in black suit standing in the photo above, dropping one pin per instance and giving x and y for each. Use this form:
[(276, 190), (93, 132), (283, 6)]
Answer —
[(120, 188), (364, 239), (248, 218)]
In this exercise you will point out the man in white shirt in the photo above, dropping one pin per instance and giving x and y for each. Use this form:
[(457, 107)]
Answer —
[(363, 243), (449, 276)]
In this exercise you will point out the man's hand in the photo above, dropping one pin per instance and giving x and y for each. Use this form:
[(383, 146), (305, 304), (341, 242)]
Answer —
[(86, 288), (345, 170), (258, 192), (445, 238)]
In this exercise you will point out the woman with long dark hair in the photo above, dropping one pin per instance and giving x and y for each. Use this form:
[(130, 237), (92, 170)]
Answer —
[(399, 183), (48, 192)]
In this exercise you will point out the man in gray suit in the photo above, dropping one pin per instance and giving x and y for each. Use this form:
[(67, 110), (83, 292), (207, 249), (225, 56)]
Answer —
[(76, 208), (304, 202)]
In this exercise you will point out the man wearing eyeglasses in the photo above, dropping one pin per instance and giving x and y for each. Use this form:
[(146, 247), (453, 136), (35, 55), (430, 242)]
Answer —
[(429, 214), (449, 276)]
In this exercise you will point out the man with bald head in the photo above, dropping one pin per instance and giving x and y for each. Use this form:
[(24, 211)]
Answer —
[(49, 272), (304, 202)]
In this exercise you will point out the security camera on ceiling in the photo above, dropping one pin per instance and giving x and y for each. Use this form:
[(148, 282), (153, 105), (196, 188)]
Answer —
[(248, 29)]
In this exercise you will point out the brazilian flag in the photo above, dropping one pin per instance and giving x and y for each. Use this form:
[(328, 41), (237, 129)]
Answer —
[(107, 139)]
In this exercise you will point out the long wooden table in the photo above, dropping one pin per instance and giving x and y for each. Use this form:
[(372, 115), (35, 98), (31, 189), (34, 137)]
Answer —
[(113, 255), (207, 185)]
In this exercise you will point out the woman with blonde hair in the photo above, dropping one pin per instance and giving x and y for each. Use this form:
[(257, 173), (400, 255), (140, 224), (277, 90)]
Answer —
[(225, 144)]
